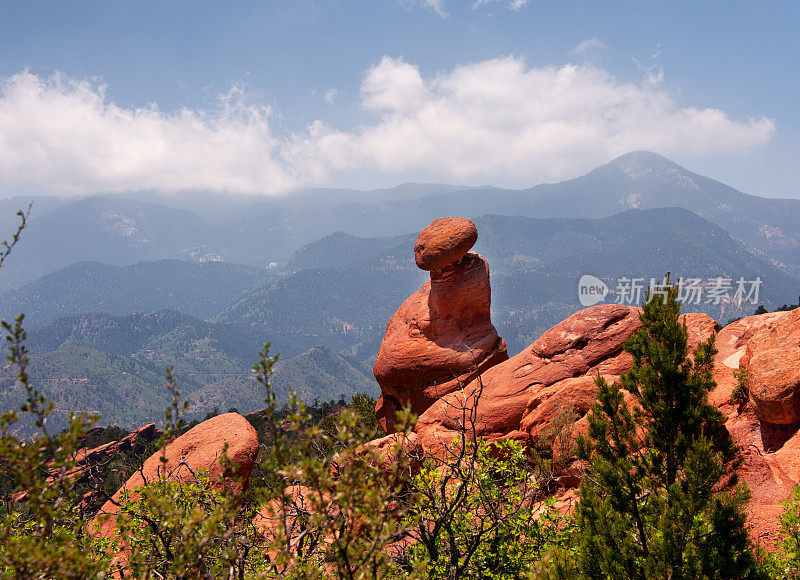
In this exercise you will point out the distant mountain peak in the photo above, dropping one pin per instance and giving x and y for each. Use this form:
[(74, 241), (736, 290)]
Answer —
[(640, 164), (644, 158), (645, 166)]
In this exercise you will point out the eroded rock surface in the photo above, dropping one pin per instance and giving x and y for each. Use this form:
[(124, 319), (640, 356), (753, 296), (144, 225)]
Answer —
[(441, 337), (770, 453), (772, 362), (520, 397)]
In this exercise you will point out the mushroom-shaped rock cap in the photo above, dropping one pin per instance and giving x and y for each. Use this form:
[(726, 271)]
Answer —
[(444, 241)]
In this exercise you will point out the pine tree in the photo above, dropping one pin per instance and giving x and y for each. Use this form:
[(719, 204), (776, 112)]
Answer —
[(659, 499)]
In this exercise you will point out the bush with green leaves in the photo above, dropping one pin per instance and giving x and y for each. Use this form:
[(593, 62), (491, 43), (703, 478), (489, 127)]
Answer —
[(187, 529), (41, 518), (330, 507), (741, 392), (785, 563), (473, 515)]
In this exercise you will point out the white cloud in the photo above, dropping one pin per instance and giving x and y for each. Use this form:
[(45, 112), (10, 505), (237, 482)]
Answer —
[(501, 119), (330, 96), (512, 4), (436, 5), (65, 135), (393, 85), (590, 49), (496, 121)]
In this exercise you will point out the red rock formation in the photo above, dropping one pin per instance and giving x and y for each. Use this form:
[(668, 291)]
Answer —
[(442, 335), (521, 396), (772, 361), (270, 520), (383, 451), (439, 337), (444, 241), (524, 396), (89, 461), (87, 458), (770, 453), (199, 448)]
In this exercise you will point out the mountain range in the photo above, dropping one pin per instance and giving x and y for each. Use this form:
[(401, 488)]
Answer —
[(123, 230), (116, 288)]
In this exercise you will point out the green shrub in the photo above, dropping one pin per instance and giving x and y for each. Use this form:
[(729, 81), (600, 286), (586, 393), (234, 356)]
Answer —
[(187, 529), (785, 564), (741, 392), (473, 515)]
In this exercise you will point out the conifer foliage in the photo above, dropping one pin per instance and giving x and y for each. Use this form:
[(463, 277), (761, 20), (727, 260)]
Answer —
[(658, 499)]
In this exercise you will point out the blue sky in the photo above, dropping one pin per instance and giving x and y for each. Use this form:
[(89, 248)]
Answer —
[(269, 97)]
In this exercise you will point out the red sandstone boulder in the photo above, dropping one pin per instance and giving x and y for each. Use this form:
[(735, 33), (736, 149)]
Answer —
[(444, 241), (438, 340), (700, 327), (424, 361), (772, 361), (523, 397), (383, 452), (770, 453), (300, 500), (199, 448), (587, 342)]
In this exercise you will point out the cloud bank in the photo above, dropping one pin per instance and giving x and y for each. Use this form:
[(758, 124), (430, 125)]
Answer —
[(497, 121)]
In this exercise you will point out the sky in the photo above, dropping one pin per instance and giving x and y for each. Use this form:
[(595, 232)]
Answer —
[(270, 97)]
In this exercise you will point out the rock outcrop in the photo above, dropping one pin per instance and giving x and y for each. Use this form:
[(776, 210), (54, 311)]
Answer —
[(442, 355), (523, 386), (772, 362), (90, 462), (523, 396), (442, 336), (770, 452), (199, 448), (526, 396)]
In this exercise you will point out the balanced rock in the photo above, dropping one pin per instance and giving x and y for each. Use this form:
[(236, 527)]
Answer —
[(772, 361), (445, 241), (439, 339), (199, 448)]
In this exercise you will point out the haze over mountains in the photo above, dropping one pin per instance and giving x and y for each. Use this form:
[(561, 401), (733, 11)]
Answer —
[(114, 289), (121, 230)]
